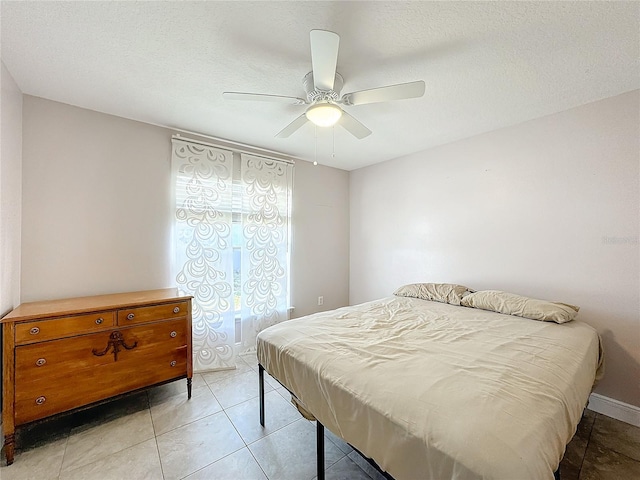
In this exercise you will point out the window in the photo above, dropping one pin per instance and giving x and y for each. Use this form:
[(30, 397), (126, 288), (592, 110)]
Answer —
[(231, 246)]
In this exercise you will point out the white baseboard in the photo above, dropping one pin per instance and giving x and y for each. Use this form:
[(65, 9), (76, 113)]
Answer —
[(615, 409)]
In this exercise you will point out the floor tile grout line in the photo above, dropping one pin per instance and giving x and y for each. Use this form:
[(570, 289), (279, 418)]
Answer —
[(605, 446), (209, 464), (627, 457), (271, 433), (107, 456), (159, 458), (226, 377), (237, 373), (586, 448), (357, 465), (155, 436), (257, 462), (247, 400), (264, 436), (246, 445), (337, 447), (66, 442), (100, 423), (343, 455), (222, 409), (188, 423), (281, 428), (234, 427)]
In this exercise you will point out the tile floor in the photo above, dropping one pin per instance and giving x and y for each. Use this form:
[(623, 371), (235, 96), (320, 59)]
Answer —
[(158, 434)]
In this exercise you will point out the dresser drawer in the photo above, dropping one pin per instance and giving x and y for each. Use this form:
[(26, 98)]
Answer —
[(64, 374), (133, 316), (40, 399), (38, 331), (59, 359)]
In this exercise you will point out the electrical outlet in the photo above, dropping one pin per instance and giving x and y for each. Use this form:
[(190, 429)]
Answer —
[(320, 300)]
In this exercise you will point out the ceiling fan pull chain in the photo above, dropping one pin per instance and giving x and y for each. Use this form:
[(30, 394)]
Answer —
[(333, 145), (315, 149)]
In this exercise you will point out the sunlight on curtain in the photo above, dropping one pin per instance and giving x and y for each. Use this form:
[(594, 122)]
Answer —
[(203, 179), (266, 213), (231, 239)]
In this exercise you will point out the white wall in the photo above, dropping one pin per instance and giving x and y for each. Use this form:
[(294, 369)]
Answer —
[(10, 191), (548, 209), (97, 210)]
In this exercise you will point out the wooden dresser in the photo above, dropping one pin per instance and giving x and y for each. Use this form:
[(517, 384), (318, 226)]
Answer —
[(63, 354)]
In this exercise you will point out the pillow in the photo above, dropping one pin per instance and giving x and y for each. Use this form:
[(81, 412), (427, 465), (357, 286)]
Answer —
[(437, 292), (512, 304)]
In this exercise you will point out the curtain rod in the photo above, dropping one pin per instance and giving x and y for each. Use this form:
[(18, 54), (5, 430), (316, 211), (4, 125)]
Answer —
[(240, 147)]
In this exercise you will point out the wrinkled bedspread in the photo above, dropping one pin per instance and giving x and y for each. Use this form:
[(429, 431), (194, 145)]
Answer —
[(435, 391)]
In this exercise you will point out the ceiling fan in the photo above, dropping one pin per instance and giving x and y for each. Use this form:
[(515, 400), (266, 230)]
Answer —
[(323, 85)]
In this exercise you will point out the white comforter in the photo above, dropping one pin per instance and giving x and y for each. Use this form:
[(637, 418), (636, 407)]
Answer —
[(435, 391)]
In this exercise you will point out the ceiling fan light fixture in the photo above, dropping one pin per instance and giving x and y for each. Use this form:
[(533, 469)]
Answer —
[(324, 114)]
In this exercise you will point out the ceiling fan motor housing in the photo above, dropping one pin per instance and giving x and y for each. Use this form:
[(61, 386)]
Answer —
[(315, 95)]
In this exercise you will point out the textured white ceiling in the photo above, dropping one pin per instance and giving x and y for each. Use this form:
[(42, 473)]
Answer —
[(486, 64)]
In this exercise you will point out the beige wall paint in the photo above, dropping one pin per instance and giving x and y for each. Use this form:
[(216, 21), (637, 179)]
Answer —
[(97, 210), (10, 191), (320, 254), (96, 203), (548, 208)]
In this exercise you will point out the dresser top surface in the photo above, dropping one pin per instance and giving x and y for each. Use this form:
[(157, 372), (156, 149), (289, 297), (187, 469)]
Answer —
[(71, 306)]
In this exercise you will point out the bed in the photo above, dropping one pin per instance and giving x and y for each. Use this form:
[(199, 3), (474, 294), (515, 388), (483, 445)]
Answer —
[(431, 390)]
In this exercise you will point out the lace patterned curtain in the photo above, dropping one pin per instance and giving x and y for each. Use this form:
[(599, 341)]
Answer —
[(203, 248), (231, 239), (266, 211)]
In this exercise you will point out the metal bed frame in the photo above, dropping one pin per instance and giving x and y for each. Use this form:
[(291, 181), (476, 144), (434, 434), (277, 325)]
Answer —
[(320, 436)]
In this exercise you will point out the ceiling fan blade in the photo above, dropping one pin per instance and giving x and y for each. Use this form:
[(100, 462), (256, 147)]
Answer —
[(353, 126), (292, 127), (385, 94), (324, 58), (263, 97)]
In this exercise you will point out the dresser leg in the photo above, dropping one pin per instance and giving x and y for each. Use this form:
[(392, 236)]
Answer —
[(9, 447), (188, 388)]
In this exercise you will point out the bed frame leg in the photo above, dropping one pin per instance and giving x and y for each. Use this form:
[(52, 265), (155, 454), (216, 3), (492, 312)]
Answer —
[(261, 380), (320, 449)]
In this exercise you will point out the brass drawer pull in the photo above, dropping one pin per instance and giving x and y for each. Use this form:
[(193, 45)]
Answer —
[(40, 362), (99, 321), (34, 331), (173, 363), (173, 334), (40, 400), (130, 316), (176, 310), (116, 340)]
